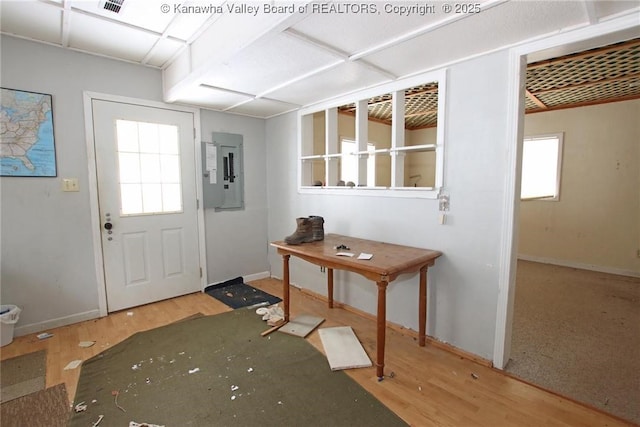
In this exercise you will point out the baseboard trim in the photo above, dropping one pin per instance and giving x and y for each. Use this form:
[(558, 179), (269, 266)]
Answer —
[(247, 278), (398, 328), (256, 276), (56, 323), (579, 265)]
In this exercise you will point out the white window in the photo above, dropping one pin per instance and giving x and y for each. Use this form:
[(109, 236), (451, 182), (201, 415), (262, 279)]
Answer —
[(541, 166), (349, 162), (149, 168)]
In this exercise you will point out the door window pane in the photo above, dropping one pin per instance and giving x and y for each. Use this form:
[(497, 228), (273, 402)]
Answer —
[(149, 167)]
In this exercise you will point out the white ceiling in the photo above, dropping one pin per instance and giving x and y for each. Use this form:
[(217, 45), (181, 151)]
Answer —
[(274, 61)]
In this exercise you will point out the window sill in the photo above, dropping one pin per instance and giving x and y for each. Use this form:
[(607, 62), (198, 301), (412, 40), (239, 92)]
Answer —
[(401, 192)]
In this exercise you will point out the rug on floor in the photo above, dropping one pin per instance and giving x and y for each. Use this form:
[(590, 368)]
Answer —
[(218, 370), (22, 375), (44, 408), (236, 294)]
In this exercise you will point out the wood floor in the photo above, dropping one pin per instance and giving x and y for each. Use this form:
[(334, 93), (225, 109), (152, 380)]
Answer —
[(426, 386)]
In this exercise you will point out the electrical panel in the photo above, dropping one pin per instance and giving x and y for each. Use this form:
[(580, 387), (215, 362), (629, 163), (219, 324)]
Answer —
[(223, 172)]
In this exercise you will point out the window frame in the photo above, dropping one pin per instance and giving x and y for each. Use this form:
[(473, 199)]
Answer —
[(560, 137), (305, 119)]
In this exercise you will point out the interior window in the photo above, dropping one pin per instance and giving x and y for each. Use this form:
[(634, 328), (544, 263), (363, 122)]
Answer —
[(391, 142)]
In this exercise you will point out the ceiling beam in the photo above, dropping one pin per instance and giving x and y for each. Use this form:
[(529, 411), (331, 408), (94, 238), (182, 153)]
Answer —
[(535, 100), (66, 23)]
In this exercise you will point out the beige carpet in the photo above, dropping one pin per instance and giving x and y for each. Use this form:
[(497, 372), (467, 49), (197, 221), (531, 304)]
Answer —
[(577, 332), (22, 375)]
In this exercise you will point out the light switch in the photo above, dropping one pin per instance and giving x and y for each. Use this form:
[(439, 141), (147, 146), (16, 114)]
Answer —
[(70, 184)]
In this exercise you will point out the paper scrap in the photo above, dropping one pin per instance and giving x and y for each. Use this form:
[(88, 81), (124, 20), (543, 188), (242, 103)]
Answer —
[(194, 370), (86, 344), (135, 424), (44, 335), (349, 254), (73, 364), (365, 256)]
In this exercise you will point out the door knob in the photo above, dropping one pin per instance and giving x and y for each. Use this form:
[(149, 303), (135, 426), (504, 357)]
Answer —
[(108, 226)]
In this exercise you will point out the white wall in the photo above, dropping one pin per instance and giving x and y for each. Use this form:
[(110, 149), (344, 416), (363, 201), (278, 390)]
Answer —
[(596, 222), (463, 285), (47, 261)]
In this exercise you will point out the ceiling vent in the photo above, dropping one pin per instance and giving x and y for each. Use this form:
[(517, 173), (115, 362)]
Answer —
[(112, 5)]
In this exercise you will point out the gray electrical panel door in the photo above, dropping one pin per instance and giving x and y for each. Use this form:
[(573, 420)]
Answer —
[(223, 172)]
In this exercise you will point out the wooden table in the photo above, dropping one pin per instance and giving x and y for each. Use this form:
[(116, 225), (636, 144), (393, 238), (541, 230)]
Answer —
[(388, 262)]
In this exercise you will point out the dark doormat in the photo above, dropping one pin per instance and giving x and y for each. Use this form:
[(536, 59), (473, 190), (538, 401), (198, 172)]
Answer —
[(236, 294)]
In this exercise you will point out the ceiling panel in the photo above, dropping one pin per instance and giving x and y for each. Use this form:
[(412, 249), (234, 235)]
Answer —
[(107, 38), (493, 28), (184, 26), (347, 77), (37, 21), (267, 64), (145, 14), (355, 32)]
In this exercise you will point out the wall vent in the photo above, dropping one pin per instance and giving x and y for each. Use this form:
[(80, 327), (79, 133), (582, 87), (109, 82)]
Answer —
[(113, 5)]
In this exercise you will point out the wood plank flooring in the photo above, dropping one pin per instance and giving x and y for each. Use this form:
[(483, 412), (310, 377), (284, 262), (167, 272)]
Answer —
[(426, 386)]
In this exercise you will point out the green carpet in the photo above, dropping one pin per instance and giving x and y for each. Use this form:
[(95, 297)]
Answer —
[(219, 371)]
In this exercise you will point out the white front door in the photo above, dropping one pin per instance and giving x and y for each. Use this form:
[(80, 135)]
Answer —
[(145, 164)]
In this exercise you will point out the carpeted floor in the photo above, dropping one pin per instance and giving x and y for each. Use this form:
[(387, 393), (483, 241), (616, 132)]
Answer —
[(22, 375), (218, 370), (44, 408), (577, 332)]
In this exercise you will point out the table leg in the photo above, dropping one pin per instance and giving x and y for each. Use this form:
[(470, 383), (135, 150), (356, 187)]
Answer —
[(285, 285), (422, 312), (330, 286), (382, 325)]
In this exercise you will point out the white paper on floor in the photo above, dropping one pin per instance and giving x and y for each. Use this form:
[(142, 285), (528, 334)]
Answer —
[(343, 349)]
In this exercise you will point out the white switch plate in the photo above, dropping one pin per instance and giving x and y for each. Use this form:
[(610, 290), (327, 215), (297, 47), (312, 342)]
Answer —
[(70, 184)]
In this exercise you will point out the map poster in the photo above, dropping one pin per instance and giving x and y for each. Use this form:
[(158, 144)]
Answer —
[(27, 146)]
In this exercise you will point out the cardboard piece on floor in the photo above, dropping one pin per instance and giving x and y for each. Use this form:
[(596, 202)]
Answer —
[(343, 349), (302, 325)]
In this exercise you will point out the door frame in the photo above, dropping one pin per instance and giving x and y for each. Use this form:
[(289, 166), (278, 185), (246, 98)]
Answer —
[(605, 33), (96, 235)]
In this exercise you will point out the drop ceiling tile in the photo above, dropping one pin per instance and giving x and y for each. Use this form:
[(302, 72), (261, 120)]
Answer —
[(34, 20), (231, 32), (345, 78), (146, 14), (494, 28), (185, 25), (268, 63), (356, 32), (263, 108), (109, 38)]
